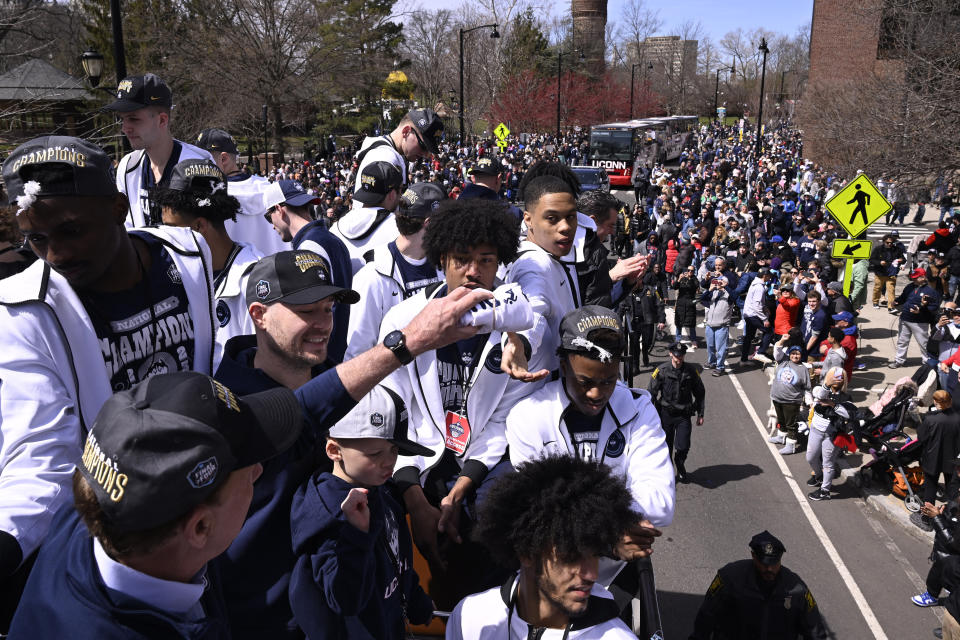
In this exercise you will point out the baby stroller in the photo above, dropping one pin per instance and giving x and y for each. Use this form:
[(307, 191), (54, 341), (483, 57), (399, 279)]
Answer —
[(892, 450)]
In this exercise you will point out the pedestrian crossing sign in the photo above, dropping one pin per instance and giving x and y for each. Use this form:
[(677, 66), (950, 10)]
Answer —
[(501, 131), (851, 249), (858, 205)]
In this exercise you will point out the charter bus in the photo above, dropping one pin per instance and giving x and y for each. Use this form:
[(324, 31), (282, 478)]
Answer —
[(617, 146)]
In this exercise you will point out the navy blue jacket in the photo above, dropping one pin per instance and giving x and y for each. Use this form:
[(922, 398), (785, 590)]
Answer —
[(912, 296), (256, 568), (345, 585), (341, 270), (65, 597)]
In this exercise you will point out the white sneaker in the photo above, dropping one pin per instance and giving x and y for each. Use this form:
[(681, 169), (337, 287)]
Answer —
[(780, 438), (790, 447)]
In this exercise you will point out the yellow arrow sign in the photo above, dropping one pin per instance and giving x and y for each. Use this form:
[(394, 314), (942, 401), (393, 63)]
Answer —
[(858, 205), (851, 249), (501, 131)]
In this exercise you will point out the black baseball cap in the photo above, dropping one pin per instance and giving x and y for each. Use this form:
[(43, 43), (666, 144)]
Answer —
[(382, 415), (294, 277), (88, 169), (375, 181), (161, 448), (767, 547), (430, 126), (421, 199), (216, 140), (197, 174), (487, 165), (137, 92), (577, 325)]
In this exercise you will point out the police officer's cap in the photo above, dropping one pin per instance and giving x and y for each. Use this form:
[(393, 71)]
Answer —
[(766, 547), (677, 348)]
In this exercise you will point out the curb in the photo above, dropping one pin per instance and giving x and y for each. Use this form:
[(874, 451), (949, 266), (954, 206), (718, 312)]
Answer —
[(888, 505)]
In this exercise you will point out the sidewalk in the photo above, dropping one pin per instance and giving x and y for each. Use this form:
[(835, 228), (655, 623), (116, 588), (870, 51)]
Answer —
[(877, 346)]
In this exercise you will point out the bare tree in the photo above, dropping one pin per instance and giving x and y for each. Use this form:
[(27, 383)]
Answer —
[(902, 118), (430, 45)]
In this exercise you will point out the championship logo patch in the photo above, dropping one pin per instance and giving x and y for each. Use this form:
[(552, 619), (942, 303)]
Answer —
[(204, 473), (492, 363), (263, 289), (174, 274), (615, 445), (376, 419), (223, 313)]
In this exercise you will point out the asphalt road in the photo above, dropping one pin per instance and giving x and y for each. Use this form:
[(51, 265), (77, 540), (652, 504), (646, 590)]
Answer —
[(738, 489)]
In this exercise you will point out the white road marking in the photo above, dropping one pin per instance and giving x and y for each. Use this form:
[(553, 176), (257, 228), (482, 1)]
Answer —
[(912, 575), (818, 529)]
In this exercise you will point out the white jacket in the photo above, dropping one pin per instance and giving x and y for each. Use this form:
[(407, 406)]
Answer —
[(381, 287), (631, 440), (129, 176), (491, 395), (552, 287), (231, 300), (381, 153), (485, 616), (753, 303), (54, 381), (360, 232), (251, 227)]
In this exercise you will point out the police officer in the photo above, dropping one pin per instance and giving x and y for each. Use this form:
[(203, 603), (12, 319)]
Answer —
[(678, 393), (759, 598)]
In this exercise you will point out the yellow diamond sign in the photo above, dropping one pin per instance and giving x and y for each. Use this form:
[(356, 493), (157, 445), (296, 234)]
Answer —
[(858, 205), (501, 131), (851, 249)]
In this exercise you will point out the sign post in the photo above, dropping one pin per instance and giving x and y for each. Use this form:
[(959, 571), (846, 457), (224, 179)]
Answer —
[(850, 251), (501, 132), (855, 207)]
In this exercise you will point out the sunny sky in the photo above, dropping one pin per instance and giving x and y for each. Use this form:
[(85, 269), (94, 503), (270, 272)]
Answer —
[(717, 18)]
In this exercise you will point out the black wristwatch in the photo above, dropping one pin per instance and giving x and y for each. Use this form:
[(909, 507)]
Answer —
[(397, 343)]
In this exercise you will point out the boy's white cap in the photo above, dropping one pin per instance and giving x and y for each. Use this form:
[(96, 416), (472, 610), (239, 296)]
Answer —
[(380, 414)]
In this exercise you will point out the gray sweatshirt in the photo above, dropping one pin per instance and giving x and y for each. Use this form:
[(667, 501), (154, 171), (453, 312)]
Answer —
[(790, 382)]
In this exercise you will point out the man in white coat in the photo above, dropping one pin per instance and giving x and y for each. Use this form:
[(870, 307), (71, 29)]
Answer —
[(374, 224), (143, 105), (552, 520), (589, 413), (101, 310), (250, 225), (458, 397), (417, 136), (396, 270)]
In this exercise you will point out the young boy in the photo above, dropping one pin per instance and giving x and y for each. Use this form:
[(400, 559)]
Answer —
[(545, 267), (354, 577)]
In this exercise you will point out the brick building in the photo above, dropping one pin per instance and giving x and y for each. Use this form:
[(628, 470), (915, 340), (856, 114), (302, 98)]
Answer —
[(847, 41)]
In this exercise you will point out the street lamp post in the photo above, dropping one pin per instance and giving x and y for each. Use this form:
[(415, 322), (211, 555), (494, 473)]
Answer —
[(763, 75), (495, 34), (716, 90), (560, 55)]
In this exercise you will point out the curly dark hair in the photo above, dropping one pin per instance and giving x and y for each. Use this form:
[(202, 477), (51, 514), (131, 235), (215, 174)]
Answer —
[(220, 208), (558, 504), (545, 168), (598, 204), (459, 225)]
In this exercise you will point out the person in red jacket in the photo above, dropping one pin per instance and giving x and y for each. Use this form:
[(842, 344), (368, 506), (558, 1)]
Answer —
[(671, 254), (788, 307), (844, 322)]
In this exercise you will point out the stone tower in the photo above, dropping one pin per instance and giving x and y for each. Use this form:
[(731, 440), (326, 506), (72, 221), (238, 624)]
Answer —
[(589, 30)]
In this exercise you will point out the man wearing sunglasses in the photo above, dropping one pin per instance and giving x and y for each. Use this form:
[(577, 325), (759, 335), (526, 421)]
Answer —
[(417, 136)]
